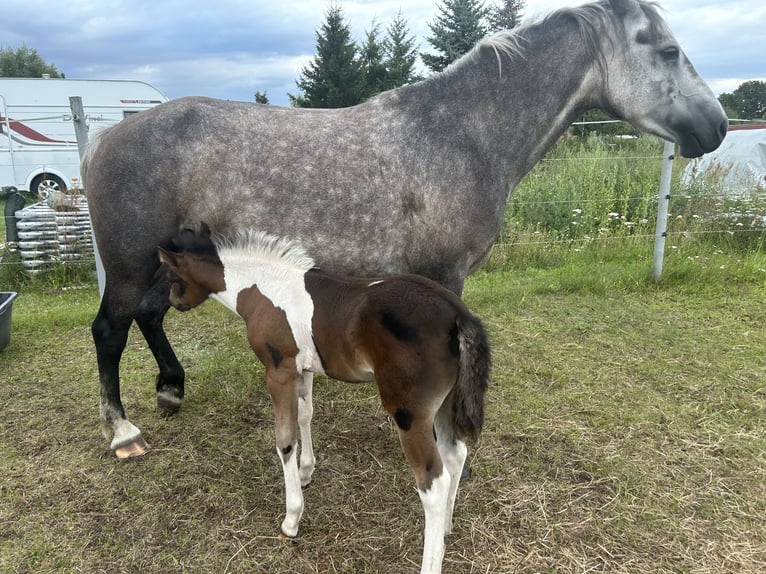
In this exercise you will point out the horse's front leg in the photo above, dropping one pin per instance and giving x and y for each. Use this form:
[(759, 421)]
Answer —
[(110, 334), (150, 316), (282, 383), (305, 414)]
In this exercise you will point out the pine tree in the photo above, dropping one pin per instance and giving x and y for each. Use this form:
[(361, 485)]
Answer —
[(261, 97), (457, 28), (505, 16), (373, 64), (333, 78), (401, 54)]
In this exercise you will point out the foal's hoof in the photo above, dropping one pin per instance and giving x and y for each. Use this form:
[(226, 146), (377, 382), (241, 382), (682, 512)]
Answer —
[(132, 449), (466, 473), (168, 403)]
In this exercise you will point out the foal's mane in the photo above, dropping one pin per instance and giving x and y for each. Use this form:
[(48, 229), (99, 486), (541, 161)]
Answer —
[(260, 247), (588, 17)]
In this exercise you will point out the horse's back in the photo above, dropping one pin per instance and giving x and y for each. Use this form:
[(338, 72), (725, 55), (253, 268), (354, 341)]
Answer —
[(362, 188), (317, 175)]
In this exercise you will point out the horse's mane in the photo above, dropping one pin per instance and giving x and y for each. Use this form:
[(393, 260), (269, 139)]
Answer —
[(512, 43), (261, 246)]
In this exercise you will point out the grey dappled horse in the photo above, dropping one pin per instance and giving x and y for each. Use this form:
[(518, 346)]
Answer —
[(414, 180)]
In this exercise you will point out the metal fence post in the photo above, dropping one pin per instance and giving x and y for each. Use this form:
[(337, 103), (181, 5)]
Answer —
[(668, 155)]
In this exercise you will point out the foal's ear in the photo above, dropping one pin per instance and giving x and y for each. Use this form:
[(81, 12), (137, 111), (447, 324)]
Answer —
[(169, 258)]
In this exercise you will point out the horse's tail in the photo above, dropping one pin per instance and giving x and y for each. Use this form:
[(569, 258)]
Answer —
[(473, 377), (93, 141)]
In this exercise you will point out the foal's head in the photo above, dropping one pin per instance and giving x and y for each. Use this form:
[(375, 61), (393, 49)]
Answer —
[(194, 269)]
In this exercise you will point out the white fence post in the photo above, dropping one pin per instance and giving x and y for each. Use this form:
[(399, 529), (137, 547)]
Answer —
[(668, 154)]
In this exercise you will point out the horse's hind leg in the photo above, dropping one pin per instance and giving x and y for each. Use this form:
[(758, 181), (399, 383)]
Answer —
[(150, 316), (110, 334), (305, 414)]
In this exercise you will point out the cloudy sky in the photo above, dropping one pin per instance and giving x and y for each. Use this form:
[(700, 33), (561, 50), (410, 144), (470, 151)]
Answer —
[(231, 48)]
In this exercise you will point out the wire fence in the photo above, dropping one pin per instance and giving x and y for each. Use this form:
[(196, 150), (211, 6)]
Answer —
[(648, 196)]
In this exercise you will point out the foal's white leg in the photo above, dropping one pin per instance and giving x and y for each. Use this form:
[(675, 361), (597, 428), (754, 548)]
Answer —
[(293, 492), (435, 507), (453, 456), (305, 414)]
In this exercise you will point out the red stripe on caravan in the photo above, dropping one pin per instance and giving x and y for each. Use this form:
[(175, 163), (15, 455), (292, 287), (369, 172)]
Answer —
[(29, 133)]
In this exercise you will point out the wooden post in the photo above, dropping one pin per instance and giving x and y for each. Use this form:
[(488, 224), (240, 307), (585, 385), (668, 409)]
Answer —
[(80, 127), (81, 133)]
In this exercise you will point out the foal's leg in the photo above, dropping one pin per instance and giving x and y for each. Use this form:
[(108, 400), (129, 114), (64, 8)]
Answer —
[(151, 313), (283, 387), (433, 481), (453, 452), (305, 414)]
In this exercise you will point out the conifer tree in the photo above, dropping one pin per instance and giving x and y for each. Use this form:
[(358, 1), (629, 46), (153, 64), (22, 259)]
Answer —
[(457, 28), (401, 54), (374, 68), (506, 15), (333, 78)]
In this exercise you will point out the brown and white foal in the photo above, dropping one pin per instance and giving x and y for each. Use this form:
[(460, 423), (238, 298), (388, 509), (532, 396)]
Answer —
[(428, 355)]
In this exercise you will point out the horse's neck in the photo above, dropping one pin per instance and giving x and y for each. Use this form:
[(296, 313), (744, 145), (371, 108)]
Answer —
[(516, 107)]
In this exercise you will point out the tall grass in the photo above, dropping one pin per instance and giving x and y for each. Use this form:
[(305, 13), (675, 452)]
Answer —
[(590, 200), (595, 199)]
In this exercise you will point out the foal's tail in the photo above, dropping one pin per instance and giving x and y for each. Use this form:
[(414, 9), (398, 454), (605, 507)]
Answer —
[(473, 376)]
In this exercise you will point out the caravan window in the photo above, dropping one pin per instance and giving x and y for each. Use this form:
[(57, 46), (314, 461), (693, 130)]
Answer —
[(126, 113)]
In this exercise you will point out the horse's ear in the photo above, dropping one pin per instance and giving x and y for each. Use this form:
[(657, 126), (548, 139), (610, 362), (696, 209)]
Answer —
[(624, 7)]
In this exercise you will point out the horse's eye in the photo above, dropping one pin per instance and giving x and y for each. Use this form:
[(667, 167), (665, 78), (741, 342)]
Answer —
[(670, 54)]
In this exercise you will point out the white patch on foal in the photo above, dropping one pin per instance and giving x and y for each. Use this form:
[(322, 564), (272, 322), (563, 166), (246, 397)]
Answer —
[(279, 275), (293, 492)]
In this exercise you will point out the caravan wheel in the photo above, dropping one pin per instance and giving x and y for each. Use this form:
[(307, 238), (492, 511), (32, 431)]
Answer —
[(45, 184)]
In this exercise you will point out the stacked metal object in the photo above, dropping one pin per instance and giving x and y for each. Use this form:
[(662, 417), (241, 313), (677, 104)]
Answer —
[(54, 231)]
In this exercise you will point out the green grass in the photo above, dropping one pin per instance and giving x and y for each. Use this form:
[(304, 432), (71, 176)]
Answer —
[(625, 431)]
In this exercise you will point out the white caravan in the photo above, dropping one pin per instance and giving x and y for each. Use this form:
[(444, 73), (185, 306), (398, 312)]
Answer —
[(38, 147)]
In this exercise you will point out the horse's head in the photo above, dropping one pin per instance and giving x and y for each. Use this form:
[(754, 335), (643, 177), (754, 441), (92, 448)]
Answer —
[(652, 84), (192, 269)]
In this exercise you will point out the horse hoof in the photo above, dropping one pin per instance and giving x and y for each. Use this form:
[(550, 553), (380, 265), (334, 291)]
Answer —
[(305, 479), (285, 537), (132, 449), (168, 403)]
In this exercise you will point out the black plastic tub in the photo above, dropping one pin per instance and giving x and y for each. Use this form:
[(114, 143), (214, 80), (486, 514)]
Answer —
[(6, 307)]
